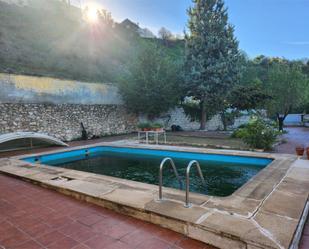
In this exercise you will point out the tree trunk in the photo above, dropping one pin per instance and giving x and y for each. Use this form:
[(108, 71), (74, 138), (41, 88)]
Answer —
[(281, 119), (224, 121), (203, 116)]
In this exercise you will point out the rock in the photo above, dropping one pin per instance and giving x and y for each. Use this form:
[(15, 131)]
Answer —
[(63, 120)]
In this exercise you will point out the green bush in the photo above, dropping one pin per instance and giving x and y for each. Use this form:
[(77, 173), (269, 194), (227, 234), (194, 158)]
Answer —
[(239, 133), (156, 125), (258, 134), (144, 125)]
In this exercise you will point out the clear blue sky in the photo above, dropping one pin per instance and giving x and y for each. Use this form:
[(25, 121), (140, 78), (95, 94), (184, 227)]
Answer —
[(269, 27)]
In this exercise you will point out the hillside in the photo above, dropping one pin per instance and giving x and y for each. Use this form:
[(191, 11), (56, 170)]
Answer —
[(50, 38)]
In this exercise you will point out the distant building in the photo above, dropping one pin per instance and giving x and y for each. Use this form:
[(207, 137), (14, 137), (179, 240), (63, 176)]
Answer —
[(134, 27), (128, 24), (146, 33)]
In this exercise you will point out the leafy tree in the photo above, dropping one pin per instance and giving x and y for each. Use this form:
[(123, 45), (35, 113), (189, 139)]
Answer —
[(252, 72), (248, 97), (165, 35), (105, 18), (306, 68), (288, 86), (243, 98), (151, 84), (212, 56)]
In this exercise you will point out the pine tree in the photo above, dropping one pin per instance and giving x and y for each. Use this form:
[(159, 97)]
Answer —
[(212, 56)]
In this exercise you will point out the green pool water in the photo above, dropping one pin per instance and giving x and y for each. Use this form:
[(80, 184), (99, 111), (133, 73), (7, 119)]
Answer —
[(222, 178)]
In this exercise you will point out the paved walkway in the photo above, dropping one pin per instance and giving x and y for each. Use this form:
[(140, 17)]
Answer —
[(296, 136), (32, 217)]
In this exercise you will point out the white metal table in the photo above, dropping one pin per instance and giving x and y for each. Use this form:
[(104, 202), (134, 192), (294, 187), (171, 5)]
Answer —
[(155, 134)]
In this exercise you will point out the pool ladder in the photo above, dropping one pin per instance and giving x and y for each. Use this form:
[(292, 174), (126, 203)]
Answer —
[(191, 163), (167, 159)]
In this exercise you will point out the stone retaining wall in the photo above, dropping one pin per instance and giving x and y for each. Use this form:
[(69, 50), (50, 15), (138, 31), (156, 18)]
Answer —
[(63, 120), (56, 107)]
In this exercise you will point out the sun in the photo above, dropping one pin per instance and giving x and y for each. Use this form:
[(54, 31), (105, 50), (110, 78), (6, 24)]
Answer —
[(91, 14)]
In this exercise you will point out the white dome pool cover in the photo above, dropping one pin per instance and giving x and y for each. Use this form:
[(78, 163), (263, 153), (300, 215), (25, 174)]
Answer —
[(30, 135)]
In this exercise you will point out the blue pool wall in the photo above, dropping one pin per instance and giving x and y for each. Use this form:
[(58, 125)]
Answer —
[(81, 154)]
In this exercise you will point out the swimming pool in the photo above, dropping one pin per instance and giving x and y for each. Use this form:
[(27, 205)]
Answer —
[(223, 173)]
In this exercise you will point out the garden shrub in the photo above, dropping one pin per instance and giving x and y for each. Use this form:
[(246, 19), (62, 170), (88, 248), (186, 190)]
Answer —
[(240, 132), (258, 134)]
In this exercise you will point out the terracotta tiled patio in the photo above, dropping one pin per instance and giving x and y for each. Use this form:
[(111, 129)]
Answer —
[(33, 217)]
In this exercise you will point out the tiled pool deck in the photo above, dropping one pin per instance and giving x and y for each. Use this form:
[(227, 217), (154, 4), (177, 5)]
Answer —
[(264, 213), (32, 217), (296, 136)]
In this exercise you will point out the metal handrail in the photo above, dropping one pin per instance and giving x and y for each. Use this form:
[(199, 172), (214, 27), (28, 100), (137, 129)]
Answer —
[(194, 162), (161, 175)]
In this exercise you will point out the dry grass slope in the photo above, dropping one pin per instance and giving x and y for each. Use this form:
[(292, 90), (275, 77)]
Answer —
[(50, 38)]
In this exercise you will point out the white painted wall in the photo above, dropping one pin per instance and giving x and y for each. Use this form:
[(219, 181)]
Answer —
[(177, 116)]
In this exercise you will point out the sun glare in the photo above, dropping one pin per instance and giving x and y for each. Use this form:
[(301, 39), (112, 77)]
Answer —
[(91, 14)]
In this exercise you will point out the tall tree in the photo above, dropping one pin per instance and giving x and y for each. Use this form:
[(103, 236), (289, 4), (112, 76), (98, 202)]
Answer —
[(165, 35), (151, 84), (245, 98), (105, 17), (306, 68), (212, 56), (288, 86)]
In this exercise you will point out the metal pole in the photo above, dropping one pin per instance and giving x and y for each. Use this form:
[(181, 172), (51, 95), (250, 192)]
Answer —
[(194, 162), (161, 175), (188, 204), (160, 181)]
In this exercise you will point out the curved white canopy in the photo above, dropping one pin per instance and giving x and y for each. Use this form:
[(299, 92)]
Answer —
[(21, 135)]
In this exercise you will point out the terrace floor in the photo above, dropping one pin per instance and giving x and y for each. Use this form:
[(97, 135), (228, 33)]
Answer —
[(296, 136), (32, 217)]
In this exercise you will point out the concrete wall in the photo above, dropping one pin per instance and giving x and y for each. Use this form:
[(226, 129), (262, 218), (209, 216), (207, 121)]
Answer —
[(28, 89), (177, 116), (293, 120)]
